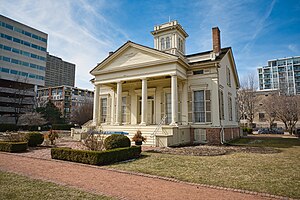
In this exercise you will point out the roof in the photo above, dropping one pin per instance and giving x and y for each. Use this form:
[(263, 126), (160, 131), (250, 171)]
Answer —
[(218, 58), (126, 44)]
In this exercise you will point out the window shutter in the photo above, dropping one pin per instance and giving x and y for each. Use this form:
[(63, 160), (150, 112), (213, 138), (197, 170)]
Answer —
[(179, 108), (162, 105), (108, 110), (128, 110), (190, 104), (208, 106)]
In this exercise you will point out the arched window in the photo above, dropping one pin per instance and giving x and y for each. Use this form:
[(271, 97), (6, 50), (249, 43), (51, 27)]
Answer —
[(167, 43), (162, 41)]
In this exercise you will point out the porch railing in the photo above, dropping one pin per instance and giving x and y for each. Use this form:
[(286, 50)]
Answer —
[(162, 121)]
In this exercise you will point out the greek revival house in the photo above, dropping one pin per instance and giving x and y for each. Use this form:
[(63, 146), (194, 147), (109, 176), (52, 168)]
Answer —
[(173, 98)]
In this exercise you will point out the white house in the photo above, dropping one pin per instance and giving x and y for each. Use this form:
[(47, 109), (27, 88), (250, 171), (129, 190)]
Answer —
[(173, 98)]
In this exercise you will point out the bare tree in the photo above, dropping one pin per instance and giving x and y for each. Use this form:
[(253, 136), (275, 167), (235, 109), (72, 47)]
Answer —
[(31, 119), (270, 109), (247, 98), (83, 113), (287, 110)]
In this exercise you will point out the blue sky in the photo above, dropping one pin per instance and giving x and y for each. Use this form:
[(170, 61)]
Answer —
[(83, 31)]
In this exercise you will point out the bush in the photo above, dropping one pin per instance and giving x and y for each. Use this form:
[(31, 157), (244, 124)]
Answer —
[(247, 130), (96, 157), (13, 146), (62, 126), (8, 127), (34, 139), (116, 141)]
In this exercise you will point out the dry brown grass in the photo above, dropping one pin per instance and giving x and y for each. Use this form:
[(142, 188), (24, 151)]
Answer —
[(276, 173)]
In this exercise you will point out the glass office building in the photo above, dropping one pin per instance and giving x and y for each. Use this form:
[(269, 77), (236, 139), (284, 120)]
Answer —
[(23, 56)]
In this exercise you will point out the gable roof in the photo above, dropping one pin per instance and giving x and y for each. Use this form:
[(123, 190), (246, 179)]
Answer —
[(125, 46)]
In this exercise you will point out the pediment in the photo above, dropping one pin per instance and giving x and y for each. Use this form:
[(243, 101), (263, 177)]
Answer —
[(131, 54)]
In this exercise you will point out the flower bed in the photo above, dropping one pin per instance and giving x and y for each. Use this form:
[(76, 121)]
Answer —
[(96, 157)]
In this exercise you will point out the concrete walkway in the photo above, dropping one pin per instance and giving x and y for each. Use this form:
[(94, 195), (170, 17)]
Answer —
[(113, 183)]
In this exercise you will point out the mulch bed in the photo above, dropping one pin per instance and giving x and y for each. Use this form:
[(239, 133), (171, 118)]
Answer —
[(205, 150)]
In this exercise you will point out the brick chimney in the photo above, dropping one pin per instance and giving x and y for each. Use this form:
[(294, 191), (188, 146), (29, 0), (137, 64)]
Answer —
[(216, 40)]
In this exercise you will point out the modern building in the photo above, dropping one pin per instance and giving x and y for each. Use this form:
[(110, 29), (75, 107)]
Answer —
[(23, 52), (281, 74), (171, 97), (59, 72), (64, 97)]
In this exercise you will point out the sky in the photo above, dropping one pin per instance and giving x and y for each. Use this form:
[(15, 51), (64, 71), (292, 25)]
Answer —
[(84, 31)]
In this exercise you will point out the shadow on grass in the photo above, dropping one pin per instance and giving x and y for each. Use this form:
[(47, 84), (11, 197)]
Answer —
[(131, 160), (266, 142)]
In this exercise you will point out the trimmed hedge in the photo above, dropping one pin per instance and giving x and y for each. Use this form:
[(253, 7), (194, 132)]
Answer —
[(13, 146), (8, 127), (34, 139), (62, 126), (116, 141), (96, 157)]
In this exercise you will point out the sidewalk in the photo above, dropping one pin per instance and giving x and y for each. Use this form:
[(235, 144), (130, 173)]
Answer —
[(113, 183)]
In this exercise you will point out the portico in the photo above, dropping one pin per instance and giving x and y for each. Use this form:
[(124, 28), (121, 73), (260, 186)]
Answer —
[(147, 105)]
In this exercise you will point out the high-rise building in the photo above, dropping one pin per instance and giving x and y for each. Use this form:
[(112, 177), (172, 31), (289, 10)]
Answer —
[(66, 98), (23, 52), (281, 74), (59, 72)]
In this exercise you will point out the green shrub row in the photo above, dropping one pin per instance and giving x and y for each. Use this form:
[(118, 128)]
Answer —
[(62, 126), (13, 146), (8, 127), (96, 157)]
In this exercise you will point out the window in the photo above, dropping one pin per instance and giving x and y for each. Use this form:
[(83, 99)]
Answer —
[(5, 70), (123, 109), (202, 107), (167, 43), (168, 108), (197, 72), (261, 117), (13, 71), (162, 41), (228, 76), (103, 109), (221, 105), (230, 108)]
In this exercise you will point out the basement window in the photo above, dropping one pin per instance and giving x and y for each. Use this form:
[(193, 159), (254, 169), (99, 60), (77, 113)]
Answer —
[(197, 72)]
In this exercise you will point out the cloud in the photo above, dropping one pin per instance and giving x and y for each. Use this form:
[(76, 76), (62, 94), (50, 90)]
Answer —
[(294, 48), (77, 31)]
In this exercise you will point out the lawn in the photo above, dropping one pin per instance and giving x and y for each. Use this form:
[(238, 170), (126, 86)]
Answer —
[(276, 173), (13, 186)]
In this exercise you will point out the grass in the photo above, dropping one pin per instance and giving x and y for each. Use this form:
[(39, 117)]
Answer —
[(269, 173), (267, 142), (16, 187)]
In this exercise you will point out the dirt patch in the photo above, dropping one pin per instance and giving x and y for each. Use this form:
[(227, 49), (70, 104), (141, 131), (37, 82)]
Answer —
[(204, 150)]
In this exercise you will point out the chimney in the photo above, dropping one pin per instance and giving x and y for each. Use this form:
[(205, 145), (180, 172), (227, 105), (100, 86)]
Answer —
[(110, 53), (216, 40)]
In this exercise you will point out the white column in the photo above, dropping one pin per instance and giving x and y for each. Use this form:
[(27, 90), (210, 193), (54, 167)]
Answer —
[(144, 102), (174, 101), (96, 105), (184, 103), (119, 104)]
